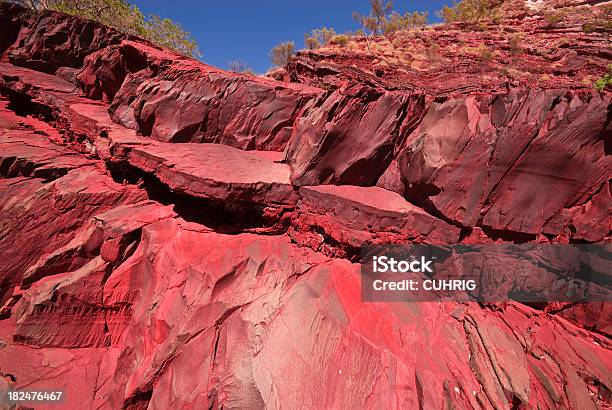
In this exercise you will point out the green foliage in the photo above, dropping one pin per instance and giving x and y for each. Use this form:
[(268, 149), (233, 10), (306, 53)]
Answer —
[(589, 27), (383, 20), (469, 11), (166, 33), (318, 37), (113, 13), (282, 53), (605, 81), (552, 19), (408, 21), (127, 18)]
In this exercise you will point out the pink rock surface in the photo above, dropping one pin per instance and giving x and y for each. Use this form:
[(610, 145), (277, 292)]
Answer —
[(243, 320), (49, 193)]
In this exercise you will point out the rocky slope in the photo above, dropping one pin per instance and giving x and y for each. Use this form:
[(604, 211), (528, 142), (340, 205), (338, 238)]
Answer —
[(177, 236)]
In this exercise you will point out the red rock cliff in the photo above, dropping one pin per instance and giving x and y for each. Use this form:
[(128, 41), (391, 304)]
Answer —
[(177, 236)]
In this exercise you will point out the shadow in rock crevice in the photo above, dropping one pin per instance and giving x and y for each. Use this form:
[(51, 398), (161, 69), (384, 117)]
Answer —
[(223, 217)]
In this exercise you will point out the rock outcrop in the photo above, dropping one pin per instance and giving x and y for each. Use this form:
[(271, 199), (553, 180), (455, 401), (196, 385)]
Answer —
[(177, 236), (173, 99)]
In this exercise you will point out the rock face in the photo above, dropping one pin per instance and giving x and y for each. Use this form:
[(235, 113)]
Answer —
[(355, 215), (47, 41), (177, 236), (487, 162), (173, 99)]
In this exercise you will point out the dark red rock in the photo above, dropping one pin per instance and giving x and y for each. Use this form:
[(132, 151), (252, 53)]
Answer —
[(145, 83), (596, 316), (349, 136), (520, 162), (105, 70), (354, 216), (85, 124), (48, 40), (24, 153), (11, 21), (212, 171)]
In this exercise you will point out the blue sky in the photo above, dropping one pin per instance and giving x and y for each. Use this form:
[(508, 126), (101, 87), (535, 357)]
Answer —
[(246, 30)]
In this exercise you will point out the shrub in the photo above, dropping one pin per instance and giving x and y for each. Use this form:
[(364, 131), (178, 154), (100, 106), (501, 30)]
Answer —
[(341, 39), (238, 66), (126, 18), (470, 11), (118, 14), (318, 37), (545, 78), (282, 53), (600, 21), (515, 73), (605, 81), (589, 27), (433, 52), (373, 22), (384, 20), (553, 19), (484, 52), (166, 33), (514, 44), (408, 21)]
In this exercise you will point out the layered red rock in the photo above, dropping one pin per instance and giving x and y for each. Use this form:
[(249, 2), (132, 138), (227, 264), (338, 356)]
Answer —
[(23, 155), (518, 162), (477, 160), (48, 40), (213, 171), (247, 309), (82, 123), (124, 283), (485, 102), (68, 283), (247, 111), (50, 192), (354, 216), (537, 45), (359, 133), (174, 99), (349, 136)]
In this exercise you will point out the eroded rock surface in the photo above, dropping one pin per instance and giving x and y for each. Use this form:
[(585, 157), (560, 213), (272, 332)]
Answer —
[(172, 99), (176, 236)]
